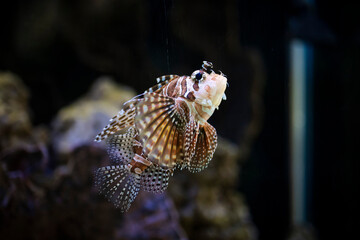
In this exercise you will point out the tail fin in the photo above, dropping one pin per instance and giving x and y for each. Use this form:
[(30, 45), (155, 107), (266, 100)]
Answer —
[(118, 185)]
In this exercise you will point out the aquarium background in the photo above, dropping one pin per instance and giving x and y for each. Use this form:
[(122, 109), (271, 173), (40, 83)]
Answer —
[(67, 66)]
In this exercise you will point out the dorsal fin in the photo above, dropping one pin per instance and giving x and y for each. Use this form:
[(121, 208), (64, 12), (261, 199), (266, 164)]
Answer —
[(161, 81), (166, 78)]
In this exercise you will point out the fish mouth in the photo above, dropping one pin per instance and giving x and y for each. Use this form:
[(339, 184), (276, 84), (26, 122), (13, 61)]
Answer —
[(219, 88)]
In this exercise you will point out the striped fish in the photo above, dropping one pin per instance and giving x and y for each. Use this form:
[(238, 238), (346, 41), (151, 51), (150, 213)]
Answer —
[(160, 130)]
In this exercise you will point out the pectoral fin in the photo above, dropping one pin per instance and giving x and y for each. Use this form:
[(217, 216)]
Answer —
[(191, 135), (161, 122), (205, 147)]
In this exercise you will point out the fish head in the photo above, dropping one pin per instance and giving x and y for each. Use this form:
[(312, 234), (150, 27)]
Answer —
[(209, 87)]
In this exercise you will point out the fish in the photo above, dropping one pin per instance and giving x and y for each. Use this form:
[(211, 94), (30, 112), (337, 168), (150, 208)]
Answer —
[(163, 129)]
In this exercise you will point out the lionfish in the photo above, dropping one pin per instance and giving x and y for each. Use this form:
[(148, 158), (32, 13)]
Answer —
[(160, 130)]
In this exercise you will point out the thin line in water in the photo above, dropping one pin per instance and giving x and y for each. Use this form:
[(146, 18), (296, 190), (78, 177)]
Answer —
[(166, 38)]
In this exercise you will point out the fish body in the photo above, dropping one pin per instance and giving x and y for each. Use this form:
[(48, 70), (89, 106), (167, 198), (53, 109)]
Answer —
[(158, 131)]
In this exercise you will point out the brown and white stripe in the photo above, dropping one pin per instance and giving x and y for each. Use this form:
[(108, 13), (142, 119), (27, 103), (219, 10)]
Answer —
[(176, 88)]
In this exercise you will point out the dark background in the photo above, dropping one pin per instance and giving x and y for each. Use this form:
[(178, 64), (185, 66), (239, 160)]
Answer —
[(75, 44)]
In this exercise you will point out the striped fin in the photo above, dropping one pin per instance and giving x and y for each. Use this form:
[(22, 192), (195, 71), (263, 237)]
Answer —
[(120, 147), (161, 81), (122, 120), (118, 185), (191, 135), (166, 78), (161, 123), (205, 148), (155, 178)]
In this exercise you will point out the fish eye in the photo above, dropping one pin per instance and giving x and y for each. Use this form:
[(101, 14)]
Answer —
[(198, 75)]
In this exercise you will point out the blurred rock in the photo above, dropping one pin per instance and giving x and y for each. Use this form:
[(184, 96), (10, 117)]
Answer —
[(19, 140), (23, 156), (209, 204), (303, 232), (15, 123), (152, 216), (79, 123), (62, 203)]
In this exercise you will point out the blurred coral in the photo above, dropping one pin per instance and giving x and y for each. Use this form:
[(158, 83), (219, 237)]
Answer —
[(209, 204), (15, 123), (78, 123)]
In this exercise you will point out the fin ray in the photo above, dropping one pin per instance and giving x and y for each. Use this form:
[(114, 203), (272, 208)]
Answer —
[(125, 118), (155, 178), (118, 185), (191, 136), (161, 82), (120, 146), (205, 147), (159, 118)]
